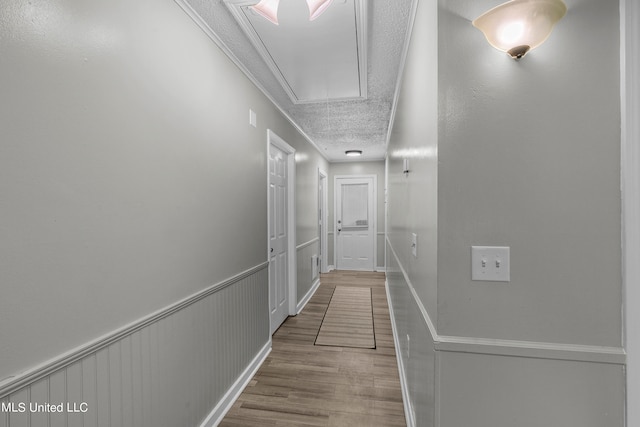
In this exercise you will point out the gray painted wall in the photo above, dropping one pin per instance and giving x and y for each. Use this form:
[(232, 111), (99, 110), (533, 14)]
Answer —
[(308, 161), (536, 169), (358, 168), (130, 177), (522, 154)]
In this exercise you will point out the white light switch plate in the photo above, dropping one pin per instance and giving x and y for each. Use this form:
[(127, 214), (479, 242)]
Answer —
[(414, 244), (490, 263)]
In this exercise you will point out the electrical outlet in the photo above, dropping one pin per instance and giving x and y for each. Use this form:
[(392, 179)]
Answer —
[(408, 347)]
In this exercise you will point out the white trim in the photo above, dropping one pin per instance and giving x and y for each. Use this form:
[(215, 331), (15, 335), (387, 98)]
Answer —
[(531, 349), (217, 414), (309, 243), (403, 62), (362, 23), (386, 208), (275, 140), (436, 389), (360, 6), (307, 296), (368, 159), (374, 213), (501, 347), (406, 395), (331, 267), (33, 375), (381, 269), (201, 23), (630, 180), (323, 175)]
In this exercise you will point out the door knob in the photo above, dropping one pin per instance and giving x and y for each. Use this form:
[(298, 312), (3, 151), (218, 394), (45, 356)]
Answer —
[(271, 250)]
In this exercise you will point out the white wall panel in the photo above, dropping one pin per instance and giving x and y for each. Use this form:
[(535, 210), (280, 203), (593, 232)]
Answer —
[(490, 391), (39, 392), (57, 395), (4, 417), (304, 254), (415, 347), (17, 418), (73, 393), (89, 390), (103, 401), (168, 372)]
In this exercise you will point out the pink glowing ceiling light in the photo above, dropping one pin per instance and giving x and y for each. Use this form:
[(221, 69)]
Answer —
[(267, 9), (316, 7)]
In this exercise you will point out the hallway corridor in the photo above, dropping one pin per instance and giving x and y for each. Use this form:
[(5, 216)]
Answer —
[(301, 384)]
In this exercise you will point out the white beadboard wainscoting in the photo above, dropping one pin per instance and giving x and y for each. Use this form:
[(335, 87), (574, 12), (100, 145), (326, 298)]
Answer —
[(179, 366), (453, 381), (307, 283)]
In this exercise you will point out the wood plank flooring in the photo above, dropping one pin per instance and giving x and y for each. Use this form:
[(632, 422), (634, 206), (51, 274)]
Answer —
[(348, 322), (301, 384)]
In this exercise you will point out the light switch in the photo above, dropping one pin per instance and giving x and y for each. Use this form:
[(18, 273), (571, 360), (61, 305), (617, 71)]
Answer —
[(490, 263), (414, 244), (252, 118)]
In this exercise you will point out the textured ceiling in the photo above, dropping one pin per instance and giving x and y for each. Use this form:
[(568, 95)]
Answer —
[(334, 126)]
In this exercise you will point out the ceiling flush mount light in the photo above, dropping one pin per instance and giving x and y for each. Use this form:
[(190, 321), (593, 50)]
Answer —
[(518, 26), (268, 9), (353, 153)]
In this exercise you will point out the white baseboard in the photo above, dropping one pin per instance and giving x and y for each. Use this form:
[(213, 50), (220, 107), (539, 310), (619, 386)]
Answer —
[(406, 400), (331, 268), (227, 401), (308, 296), (381, 269)]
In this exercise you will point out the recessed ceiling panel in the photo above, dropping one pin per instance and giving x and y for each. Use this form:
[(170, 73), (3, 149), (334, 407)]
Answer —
[(314, 61)]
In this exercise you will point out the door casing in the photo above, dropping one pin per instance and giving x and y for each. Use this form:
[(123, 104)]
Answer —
[(324, 219), (374, 215), (630, 165), (275, 140)]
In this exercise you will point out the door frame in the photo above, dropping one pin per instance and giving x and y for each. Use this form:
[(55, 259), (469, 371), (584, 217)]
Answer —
[(323, 232), (630, 166), (275, 140), (375, 215)]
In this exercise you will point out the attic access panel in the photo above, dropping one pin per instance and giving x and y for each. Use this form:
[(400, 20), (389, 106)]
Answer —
[(314, 61)]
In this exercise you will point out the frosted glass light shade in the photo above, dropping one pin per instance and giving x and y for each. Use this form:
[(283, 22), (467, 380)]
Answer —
[(316, 7), (518, 26), (267, 9), (353, 153)]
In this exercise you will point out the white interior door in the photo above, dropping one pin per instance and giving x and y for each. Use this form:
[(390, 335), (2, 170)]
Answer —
[(355, 223), (278, 237)]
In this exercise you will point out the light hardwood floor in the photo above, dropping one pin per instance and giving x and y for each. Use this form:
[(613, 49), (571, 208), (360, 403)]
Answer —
[(301, 384)]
